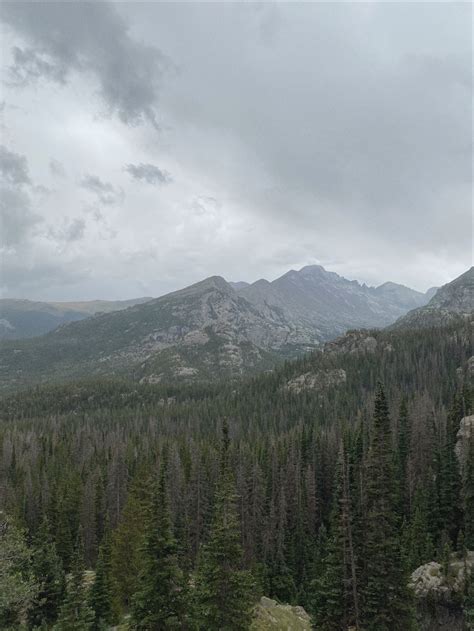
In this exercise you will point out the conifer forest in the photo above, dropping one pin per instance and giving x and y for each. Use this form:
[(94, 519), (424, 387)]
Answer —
[(158, 507)]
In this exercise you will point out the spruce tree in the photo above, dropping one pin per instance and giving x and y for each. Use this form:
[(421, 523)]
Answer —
[(127, 542), (224, 592), (101, 592), (48, 570), (468, 496), (335, 603), (159, 601), (75, 613), (386, 602)]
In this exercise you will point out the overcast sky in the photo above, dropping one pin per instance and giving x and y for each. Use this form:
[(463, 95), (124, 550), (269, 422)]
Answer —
[(146, 146)]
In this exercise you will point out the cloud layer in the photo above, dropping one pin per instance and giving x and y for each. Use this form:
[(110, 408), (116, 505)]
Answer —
[(177, 141)]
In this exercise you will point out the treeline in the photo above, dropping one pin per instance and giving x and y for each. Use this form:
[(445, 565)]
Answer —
[(327, 499)]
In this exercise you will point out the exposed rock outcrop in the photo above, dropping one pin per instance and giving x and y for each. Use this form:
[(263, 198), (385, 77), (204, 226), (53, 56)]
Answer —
[(319, 380), (438, 592), (464, 435), (270, 615)]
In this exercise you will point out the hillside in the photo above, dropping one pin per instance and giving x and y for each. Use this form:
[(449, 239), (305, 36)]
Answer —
[(27, 318)]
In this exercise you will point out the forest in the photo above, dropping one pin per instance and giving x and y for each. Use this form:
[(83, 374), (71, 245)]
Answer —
[(176, 507)]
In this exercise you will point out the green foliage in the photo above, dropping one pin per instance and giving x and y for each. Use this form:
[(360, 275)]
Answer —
[(159, 602), (101, 595), (224, 593), (386, 601), (18, 588), (75, 613), (49, 575)]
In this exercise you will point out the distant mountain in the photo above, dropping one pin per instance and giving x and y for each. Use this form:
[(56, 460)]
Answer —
[(452, 301), (322, 305), (27, 318), (208, 330)]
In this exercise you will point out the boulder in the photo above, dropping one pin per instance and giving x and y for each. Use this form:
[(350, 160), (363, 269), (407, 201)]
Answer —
[(439, 593)]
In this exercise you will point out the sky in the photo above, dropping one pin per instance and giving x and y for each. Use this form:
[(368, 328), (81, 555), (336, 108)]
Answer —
[(146, 146)]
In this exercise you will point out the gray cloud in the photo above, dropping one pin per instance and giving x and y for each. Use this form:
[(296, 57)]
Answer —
[(16, 217), (148, 173), (57, 169), (13, 167), (106, 192), (72, 230), (332, 133), (92, 38)]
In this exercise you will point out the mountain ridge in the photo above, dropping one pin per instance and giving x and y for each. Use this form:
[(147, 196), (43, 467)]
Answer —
[(208, 330)]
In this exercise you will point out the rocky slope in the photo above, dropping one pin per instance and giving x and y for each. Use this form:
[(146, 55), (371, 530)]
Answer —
[(27, 318), (212, 329), (452, 301)]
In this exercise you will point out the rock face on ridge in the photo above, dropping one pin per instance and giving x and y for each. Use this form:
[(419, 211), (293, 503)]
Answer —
[(452, 301)]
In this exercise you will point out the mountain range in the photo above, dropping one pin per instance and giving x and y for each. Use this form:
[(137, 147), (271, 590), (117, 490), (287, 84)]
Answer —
[(215, 329), (28, 318)]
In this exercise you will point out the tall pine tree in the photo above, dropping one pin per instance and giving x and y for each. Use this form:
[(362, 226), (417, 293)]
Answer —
[(159, 601), (386, 601), (48, 570), (224, 592), (75, 613)]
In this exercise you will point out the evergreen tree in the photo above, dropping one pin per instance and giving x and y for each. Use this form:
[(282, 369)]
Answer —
[(417, 544), (75, 613), (18, 588), (335, 602), (386, 602), (224, 591), (48, 570), (468, 496), (159, 601), (402, 454), (101, 593), (127, 543)]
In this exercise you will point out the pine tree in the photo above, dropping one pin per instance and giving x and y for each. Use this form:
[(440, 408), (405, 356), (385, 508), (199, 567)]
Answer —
[(336, 599), (224, 591), (386, 603), (18, 588), (449, 483), (75, 613), (402, 454), (127, 543), (48, 570), (159, 601), (468, 496), (101, 592), (417, 544)]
